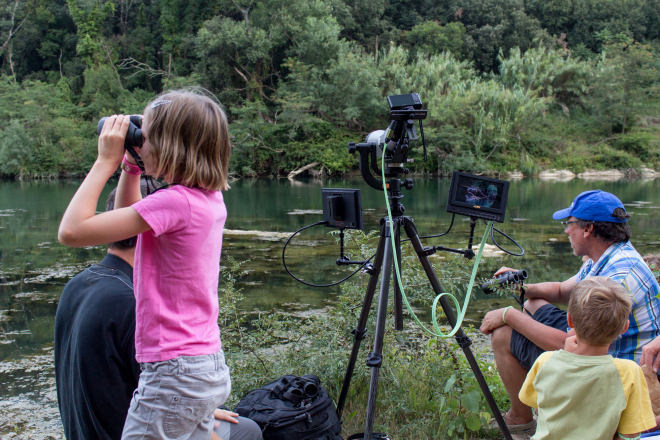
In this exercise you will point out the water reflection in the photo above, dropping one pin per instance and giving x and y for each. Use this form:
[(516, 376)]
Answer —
[(34, 267)]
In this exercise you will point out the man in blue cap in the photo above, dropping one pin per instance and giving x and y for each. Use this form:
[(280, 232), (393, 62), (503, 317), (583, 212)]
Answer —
[(597, 227)]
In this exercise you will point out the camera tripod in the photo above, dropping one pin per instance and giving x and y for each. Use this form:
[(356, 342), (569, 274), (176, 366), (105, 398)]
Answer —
[(382, 267)]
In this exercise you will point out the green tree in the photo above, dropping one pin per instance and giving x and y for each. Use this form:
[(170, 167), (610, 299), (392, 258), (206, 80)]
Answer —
[(339, 84), (235, 57), (432, 38), (45, 135), (91, 18), (492, 25), (547, 73), (582, 20), (625, 74)]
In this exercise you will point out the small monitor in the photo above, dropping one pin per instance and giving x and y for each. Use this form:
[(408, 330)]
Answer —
[(342, 207), (408, 101), (478, 196)]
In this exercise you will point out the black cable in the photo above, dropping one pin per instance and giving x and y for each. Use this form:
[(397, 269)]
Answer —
[(364, 263), (492, 237), (437, 235)]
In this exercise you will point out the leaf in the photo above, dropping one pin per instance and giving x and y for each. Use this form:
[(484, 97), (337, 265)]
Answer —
[(450, 383), (471, 400), (473, 422)]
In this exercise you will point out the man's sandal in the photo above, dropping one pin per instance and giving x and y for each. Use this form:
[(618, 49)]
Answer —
[(521, 428)]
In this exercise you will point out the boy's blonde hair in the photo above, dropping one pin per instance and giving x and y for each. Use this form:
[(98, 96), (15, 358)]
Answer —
[(190, 138), (599, 308)]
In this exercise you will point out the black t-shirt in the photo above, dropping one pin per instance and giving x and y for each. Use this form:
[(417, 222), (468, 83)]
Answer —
[(95, 365)]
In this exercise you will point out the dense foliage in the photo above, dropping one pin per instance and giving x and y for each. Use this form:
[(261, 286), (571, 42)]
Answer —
[(425, 386), (509, 84)]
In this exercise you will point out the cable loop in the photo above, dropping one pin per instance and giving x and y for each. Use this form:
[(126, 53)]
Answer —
[(306, 283)]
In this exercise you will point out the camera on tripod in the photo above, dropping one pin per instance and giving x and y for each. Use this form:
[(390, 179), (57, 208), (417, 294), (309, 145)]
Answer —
[(404, 110), (477, 197)]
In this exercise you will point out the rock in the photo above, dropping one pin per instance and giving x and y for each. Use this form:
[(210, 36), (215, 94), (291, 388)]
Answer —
[(489, 251), (515, 175), (557, 175), (609, 175), (648, 173), (263, 235)]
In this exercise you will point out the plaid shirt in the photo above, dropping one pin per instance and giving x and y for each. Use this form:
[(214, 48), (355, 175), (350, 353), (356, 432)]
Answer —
[(623, 264)]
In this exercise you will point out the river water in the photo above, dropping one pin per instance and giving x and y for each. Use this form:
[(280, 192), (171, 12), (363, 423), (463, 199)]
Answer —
[(262, 213)]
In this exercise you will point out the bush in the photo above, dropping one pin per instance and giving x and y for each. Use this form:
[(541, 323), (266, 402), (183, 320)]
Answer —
[(425, 387), (641, 144), (605, 157)]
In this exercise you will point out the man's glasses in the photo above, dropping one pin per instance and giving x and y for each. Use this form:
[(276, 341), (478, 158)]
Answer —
[(568, 222)]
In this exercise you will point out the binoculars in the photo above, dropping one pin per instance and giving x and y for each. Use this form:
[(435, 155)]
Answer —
[(511, 277), (134, 136)]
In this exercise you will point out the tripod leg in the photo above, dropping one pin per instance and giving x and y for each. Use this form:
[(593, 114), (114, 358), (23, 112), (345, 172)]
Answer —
[(359, 332), (462, 339), (398, 299), (375, 359)]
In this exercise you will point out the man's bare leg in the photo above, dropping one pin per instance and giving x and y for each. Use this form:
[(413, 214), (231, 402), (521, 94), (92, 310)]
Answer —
[(512, 375)]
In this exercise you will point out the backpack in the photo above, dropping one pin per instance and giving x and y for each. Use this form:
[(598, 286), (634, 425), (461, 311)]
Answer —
[(292, 407)]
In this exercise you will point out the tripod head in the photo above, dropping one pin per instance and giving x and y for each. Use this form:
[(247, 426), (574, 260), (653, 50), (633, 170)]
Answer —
[(404, 110)]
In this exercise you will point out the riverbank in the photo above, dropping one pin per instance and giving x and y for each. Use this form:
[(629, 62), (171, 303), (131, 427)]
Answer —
[(611, 175), (261, 214), (551, 174)]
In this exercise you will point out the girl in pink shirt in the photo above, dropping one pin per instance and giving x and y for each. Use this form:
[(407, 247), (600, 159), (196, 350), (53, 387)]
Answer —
[(177, 260)]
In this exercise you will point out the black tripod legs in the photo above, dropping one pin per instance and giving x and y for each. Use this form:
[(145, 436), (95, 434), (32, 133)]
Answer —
[(360, 330), (375, 359), (383, 266), (462, 339)]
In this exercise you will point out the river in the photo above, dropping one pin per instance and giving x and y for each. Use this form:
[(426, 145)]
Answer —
[(34, 267)]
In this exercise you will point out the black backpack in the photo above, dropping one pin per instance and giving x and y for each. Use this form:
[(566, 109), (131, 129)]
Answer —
[(292, 408)]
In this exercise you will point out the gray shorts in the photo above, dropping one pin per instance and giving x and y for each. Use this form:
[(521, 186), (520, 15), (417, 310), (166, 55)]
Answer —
[(175, 399)]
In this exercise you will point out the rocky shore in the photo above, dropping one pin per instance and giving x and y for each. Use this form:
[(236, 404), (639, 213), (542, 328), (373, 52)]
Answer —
[(607, 175)]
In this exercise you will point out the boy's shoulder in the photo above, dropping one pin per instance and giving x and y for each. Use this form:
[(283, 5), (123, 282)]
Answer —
[(628, 369), (544, 358), (627, 364)]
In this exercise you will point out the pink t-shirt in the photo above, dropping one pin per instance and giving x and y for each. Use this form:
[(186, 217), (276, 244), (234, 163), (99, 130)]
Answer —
[(176, 272)]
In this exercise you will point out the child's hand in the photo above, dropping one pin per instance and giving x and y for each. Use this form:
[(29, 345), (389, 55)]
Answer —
[(111, 139), (570, 344)]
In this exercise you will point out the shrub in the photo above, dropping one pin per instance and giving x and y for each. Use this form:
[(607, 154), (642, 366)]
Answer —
[(425, 387)]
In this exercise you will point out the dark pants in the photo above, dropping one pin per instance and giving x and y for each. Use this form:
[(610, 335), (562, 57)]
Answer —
[(525, 350)]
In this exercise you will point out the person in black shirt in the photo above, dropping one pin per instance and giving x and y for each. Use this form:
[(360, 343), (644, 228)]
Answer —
[(95, 368)]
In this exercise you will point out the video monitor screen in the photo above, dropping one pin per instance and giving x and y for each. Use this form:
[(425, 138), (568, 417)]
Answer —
[(342, 207), (478, 196)]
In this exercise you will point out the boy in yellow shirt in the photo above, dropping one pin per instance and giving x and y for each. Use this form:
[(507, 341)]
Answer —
[(581, 392)]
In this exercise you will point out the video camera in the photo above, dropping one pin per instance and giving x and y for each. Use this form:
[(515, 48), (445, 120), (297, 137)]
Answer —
[(404, 110)]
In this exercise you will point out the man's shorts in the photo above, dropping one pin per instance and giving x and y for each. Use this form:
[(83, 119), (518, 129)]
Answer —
[(525, 350)]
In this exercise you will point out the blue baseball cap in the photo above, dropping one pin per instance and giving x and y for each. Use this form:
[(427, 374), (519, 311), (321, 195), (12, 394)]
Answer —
[(594, 205)]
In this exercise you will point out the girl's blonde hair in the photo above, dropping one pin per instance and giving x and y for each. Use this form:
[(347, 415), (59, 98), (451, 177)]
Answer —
[(599, 309), (190, 138)]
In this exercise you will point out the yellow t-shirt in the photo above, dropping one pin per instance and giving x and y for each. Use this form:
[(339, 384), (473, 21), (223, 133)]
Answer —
[(586, 397)]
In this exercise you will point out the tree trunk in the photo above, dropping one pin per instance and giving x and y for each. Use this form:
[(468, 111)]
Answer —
[(294, 173)]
